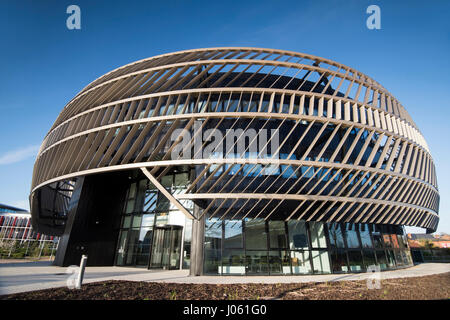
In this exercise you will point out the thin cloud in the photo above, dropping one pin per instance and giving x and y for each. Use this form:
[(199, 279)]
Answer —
[(18, 154)]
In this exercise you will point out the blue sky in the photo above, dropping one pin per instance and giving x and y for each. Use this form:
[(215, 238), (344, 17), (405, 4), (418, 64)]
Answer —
[(44, 64)]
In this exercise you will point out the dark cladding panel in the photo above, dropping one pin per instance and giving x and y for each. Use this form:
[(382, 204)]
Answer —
[(93, 220)]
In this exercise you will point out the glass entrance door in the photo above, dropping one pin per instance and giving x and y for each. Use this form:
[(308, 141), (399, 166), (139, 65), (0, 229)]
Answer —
[(166, 248)]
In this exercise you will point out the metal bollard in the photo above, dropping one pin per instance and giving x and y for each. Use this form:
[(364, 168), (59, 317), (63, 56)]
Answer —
[(81, 272)]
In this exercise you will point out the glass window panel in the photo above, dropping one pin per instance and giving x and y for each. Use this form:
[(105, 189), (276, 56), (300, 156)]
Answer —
[(136, 221), (187, 244), (369, 258), (132, 191), (126, 222), (174, 257), (181, 179), (336, 235), (381, 259), (233, 261), (352, 235), (317, 235), (321, 262), (140, 197), (257, 262), (339, 261), (298, 238), (398, 258), (300, 262), (255, 234), (390, 258), (166, 181), (130, 206), (133, 243), (394, 241), (162, 218), (150, 201), (213, 245), (355, 260), (377, 238), (402, 241), (163, 203), (279, 262), (121, 250), (387, 241), (148, 220), (365, 236), (143, 250), (233, 234), (407, 257), (277, 234)]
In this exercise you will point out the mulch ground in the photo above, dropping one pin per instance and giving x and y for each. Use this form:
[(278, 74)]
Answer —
[(417, 288)]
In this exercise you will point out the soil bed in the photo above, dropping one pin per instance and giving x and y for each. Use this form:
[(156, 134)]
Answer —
[(428, 287)]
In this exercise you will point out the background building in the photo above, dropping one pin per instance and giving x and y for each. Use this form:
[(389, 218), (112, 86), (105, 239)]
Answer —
[(17, 237), (429, 247), (118, 179)]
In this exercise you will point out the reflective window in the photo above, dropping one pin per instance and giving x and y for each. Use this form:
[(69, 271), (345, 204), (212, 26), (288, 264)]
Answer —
[(143, 246), (257, 262), (133, 246), (148, 220), (355, 260), (390, 258), (369, 258), (300, 262), (121, 251), (233, 234), (255, 246), (402, 241), (233, 261), (387, 240), (213, 245), (321, 262), (298, 238), (279, 262), (187, 244), (364, 232), (398, 258), (336, 235), (339, 261), (317, 235), (352, 235), (136, 221), (255, 234), (277, 234), (377, 237), (394, 241), (381, 259)]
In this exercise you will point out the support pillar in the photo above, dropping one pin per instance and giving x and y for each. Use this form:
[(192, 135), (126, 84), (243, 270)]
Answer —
[(197, 243)]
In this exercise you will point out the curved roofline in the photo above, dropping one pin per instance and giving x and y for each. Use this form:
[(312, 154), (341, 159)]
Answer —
[(4, 206), (306, 55), (290, 52)]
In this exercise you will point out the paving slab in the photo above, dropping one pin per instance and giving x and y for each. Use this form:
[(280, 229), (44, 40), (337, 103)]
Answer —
[(29, 276)]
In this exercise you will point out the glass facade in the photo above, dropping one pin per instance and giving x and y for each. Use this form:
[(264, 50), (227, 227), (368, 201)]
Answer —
[(153, 232), (259, 247)]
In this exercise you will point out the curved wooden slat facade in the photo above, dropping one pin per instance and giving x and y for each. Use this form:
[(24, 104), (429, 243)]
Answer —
[(351, 151)]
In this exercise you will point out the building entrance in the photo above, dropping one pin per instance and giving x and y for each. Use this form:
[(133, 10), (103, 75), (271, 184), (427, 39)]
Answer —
[(166, 248)]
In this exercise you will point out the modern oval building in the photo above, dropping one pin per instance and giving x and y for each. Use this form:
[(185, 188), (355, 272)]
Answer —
[(235, 161)]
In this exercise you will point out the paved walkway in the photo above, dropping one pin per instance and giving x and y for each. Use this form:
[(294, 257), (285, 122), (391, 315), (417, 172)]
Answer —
[(29, 276)]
